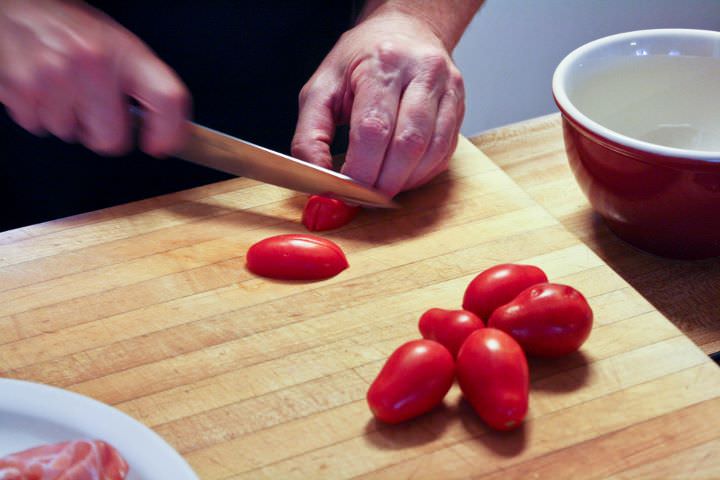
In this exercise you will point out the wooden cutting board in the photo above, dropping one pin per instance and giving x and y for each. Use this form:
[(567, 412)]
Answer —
[(148, 307)]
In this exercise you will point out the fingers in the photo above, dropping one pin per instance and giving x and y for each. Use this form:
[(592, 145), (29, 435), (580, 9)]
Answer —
[(416, 118), (415, 125), (54, 106), (449, 118), (372, 122), (316, 124), (18, 92), (82, 96), (164, 99), (444, 139), (23, 112), (402, 135), (71, 92), (100, 106)]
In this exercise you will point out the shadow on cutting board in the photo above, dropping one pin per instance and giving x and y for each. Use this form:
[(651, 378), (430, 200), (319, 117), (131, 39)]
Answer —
[(420, 211), (202, 211), (560, 375), (418, 431), (431, 426), (504, 444), (684, 291)]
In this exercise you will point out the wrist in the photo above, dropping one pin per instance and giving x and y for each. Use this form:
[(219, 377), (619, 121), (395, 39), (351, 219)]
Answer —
[(446, 19)]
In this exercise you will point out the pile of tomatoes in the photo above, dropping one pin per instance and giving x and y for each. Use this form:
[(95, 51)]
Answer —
[(525, 314)]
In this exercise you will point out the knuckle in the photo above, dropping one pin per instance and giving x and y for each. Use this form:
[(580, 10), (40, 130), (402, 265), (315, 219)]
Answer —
[(452, 96), (311, 92), (310, 152), (435, 65), (411, 142), (441, 142), (389, 55), (374, 127), (457, 84), (321, 87)]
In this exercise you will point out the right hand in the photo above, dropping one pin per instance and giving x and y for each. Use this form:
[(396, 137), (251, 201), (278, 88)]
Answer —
[(68, 69)]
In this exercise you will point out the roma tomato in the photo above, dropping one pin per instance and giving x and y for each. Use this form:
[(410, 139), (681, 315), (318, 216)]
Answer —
[(74, 460), (498, 285), (548, 320), (413, 381), (493, 375), (325, 213), (296, 257), (448, 327)]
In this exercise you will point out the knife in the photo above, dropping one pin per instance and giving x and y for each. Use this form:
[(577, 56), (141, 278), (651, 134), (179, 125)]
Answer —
[(219, 151)]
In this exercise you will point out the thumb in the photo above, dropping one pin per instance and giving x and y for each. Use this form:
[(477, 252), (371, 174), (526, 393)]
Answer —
[(315, 126)]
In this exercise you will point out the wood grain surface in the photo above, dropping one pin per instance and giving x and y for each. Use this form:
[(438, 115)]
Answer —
[(686, 292), (148, 307)]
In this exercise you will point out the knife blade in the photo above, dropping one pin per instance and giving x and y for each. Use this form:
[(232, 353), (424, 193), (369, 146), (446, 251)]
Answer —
[(223, 152)]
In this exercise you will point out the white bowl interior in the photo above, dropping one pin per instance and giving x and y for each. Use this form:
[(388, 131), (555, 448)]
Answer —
[(656, 90)]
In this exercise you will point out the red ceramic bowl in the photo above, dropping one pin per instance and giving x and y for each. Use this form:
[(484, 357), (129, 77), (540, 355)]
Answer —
[(641, 124)]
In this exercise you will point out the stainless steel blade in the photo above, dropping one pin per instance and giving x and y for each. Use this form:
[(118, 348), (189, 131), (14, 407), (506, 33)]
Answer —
[(223, 152)]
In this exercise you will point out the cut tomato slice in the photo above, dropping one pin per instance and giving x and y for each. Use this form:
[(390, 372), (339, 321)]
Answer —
[(296, 257), (326, 213)]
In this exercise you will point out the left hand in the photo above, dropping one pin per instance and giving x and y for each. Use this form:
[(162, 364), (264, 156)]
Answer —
[(393, 79)]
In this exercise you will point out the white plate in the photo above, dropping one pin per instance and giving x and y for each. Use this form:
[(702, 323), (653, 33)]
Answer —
[(32, 414)]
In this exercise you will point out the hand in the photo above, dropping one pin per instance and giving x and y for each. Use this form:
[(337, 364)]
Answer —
[(68, 69), (393, 79)]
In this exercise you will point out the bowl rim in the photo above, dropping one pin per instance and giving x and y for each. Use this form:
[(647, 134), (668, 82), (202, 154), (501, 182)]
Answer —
[(568, 109)]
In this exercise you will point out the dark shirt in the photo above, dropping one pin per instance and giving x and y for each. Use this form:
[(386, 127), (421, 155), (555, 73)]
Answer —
[(244, 63)]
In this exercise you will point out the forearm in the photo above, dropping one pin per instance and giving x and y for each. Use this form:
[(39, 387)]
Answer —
[(448, 19)]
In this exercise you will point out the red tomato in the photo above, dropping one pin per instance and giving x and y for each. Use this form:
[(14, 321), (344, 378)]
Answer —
[(448, 327), (296, 257), (548, 319), (493, 375), (74, 460), (325, 213), (498, 285), (413, 381)]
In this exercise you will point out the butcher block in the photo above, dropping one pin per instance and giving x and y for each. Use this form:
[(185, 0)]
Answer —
[(148, 307)]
